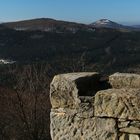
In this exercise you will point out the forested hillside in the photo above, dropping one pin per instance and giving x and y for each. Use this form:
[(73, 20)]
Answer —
[(106, 50)]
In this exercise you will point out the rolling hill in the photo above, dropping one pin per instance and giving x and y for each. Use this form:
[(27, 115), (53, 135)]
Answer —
[(46, 24)]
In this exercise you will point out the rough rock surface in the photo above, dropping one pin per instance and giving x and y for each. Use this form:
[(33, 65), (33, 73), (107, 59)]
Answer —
[(118, 103), (86, 108), (122, 80), (67, 125), (78, 114), (65, 88)]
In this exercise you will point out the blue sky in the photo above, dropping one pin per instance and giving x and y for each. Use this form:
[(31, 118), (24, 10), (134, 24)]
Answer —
[(85, 11)]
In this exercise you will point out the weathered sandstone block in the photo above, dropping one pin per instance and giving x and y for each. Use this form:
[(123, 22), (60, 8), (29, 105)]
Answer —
[(132, 127), (122, 80), (79, 112), (66, 124), (66, 88), (118, 103), (126, 136)]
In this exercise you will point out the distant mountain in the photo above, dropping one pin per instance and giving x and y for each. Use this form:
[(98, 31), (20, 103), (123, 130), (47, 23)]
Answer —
[(46, 24), (105, 23)]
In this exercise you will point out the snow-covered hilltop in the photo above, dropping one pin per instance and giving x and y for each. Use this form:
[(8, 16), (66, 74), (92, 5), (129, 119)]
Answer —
[(103, 21), (106, 23)]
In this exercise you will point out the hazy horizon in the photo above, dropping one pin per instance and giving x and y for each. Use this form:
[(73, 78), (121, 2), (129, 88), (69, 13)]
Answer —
[(82, 11)]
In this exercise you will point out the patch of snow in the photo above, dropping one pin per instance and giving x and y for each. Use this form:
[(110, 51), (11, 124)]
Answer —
[(91, 30), (48, 29), (20, 29), (102, 21), (106, 20), (4, 61)]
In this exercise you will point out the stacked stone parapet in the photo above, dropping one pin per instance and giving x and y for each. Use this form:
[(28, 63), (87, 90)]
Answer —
[(86, 107)]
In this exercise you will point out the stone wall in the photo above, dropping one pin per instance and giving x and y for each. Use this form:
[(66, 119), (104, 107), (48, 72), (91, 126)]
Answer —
[(86, 106)]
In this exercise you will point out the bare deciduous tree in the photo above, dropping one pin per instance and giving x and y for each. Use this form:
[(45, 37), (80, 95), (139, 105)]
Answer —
[(25, 110)]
